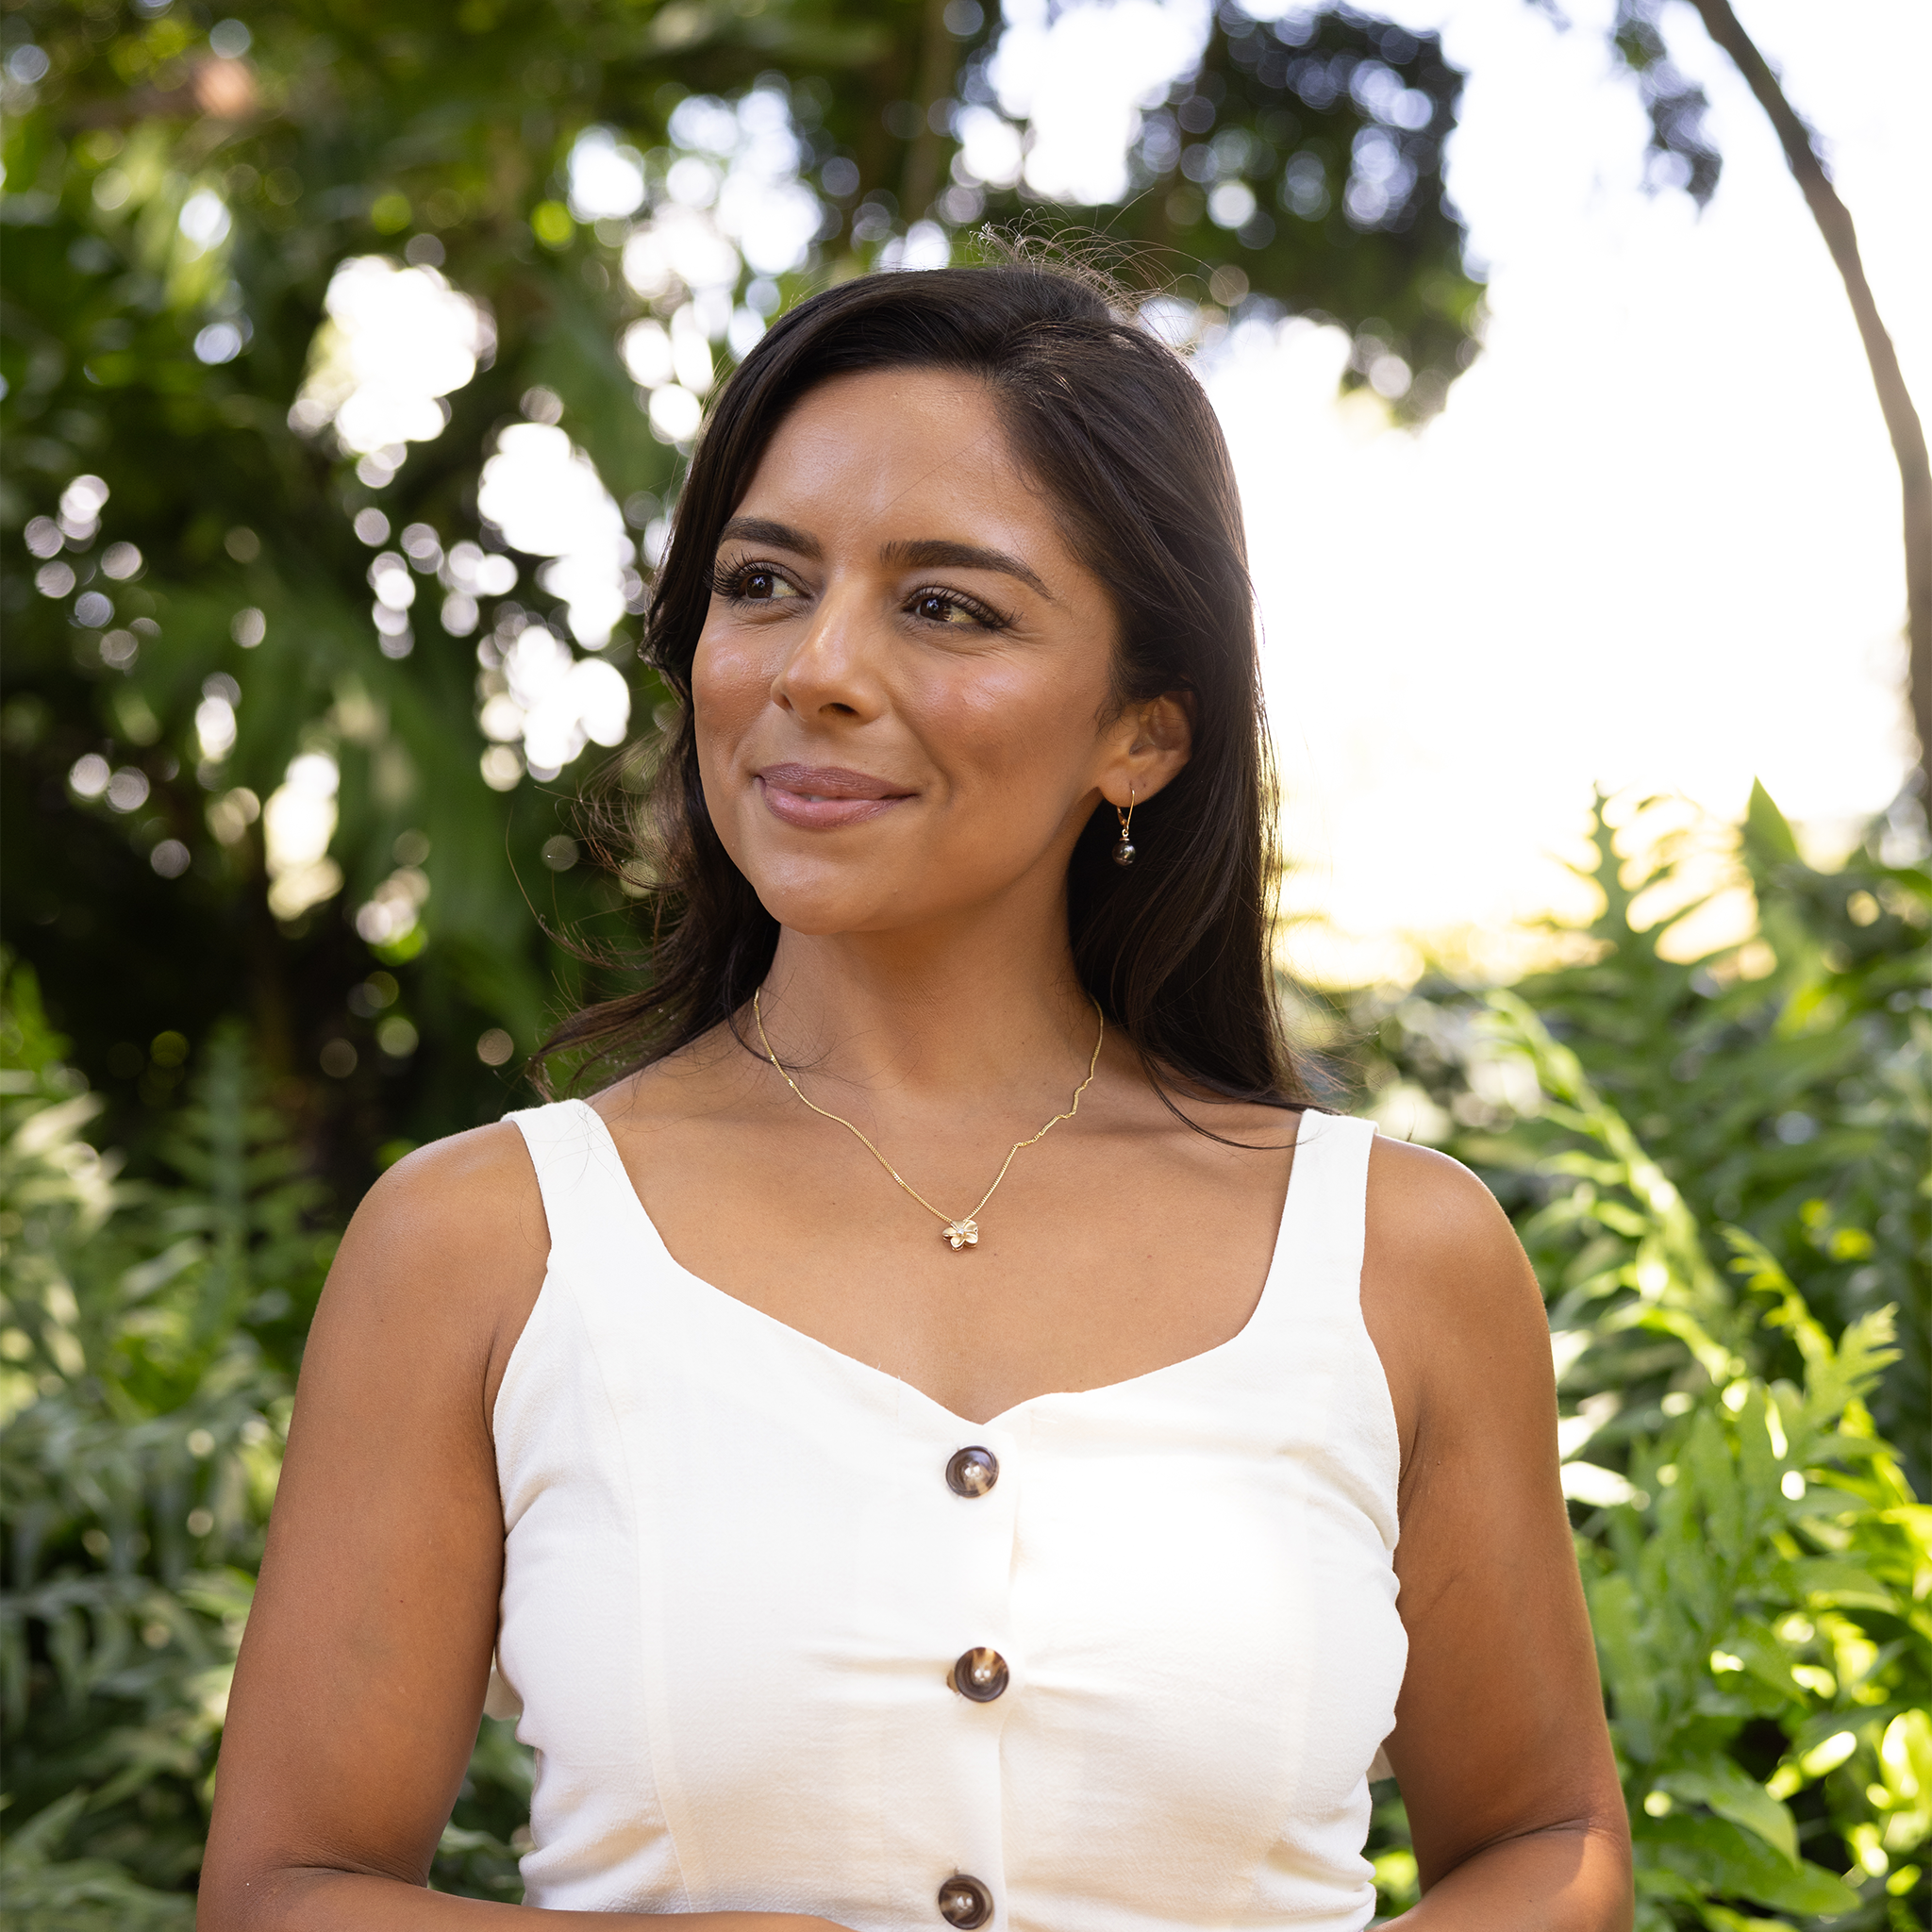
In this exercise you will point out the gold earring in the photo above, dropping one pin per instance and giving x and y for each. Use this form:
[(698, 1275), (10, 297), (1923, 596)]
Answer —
[(1124, 851)]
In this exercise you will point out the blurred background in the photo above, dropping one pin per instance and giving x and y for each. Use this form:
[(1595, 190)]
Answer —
[(351, 356)]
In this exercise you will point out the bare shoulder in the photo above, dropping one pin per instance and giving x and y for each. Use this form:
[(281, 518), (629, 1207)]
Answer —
[(1448, 1295), (1432, 1210), (476, 1192), (445, 1255)]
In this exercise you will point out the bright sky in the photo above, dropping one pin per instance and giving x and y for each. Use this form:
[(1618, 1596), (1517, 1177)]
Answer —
[(1654, 540)]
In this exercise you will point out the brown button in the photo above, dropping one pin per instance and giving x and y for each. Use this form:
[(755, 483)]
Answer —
[(980, 1675), (972, 1473), (964, 1902)]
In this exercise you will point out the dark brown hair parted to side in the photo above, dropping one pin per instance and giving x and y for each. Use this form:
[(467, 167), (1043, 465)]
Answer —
[(1122, 438)]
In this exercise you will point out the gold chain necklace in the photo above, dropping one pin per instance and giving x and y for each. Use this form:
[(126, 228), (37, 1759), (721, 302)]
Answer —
[(964, 1231)]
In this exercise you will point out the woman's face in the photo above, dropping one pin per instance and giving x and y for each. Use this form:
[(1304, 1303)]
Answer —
[(902, 692)]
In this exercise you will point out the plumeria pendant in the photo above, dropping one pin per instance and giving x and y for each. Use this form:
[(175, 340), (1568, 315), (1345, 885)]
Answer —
[(964, 1232)]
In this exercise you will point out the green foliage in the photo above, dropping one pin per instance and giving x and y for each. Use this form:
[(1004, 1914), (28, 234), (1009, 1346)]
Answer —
[(49, 1894), (1759, 1576), (148, 1339), (1761, 1611), (1782, 1085), (1682, 154), (1759, 1572), (1275, 118), (143, 1418)]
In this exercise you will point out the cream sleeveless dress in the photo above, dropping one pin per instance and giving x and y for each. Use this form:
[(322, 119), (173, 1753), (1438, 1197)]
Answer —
[(789, 1636)]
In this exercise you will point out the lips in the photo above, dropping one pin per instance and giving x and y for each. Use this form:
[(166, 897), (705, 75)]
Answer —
[(823, 797)]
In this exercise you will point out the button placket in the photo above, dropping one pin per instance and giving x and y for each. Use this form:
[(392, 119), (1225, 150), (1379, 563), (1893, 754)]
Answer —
[(979, 1511), (980, 1674)]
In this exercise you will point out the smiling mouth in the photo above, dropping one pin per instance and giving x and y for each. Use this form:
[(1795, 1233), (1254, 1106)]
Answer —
[(823, 797)]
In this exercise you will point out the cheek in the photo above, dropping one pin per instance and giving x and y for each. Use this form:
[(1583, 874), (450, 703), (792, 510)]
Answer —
[(1009, 727), (730, 683)]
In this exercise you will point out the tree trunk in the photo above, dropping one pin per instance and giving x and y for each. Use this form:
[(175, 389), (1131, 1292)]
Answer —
[(1901, 419)]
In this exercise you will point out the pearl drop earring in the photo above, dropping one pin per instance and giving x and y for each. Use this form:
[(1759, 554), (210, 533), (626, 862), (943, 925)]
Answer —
[(1124, 851)]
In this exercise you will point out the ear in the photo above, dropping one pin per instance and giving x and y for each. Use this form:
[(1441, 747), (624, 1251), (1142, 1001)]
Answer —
[(1148, 745)]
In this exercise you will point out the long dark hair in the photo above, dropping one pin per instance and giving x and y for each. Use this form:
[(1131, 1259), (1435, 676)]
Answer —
[(1122, 438)]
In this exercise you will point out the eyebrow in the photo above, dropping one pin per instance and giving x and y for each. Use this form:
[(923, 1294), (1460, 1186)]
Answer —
[(762, 530), (929, 552), (935, 553)]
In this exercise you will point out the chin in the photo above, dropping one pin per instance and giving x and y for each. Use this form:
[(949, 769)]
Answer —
[(820, 900)]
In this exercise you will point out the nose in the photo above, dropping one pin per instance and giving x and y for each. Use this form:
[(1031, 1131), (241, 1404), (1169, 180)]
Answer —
[(834, 670)]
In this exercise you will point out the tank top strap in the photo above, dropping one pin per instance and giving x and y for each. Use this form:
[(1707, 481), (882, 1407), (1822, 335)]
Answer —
[(1326, 1209), (1318, 1255), (588, 1201)]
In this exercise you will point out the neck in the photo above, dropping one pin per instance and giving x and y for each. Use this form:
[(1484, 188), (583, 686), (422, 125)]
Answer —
[(974, 1017)]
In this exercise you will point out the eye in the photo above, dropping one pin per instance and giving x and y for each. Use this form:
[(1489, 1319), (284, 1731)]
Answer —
[(951, 607), (752, 583)]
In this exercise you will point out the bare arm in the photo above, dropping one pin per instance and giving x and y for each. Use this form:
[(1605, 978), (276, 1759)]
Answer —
[(361, 1681), (1500, 1745)]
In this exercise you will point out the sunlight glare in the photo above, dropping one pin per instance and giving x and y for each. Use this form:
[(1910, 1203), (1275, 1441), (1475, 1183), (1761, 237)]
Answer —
[(397, 340)]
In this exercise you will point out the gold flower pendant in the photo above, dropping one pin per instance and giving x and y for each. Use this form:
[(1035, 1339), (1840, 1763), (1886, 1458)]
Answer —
[(962, 1234)]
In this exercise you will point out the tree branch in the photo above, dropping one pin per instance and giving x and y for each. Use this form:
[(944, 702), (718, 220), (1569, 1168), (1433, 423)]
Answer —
[(1901, 419)]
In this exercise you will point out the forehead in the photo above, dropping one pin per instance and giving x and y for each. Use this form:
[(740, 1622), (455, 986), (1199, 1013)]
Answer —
[(899, 445)]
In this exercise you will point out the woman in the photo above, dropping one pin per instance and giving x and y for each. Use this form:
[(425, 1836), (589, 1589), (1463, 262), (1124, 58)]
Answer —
[(864, 1544)]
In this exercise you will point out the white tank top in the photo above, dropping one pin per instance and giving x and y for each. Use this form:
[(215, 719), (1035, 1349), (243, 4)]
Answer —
[(789, 1636)]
